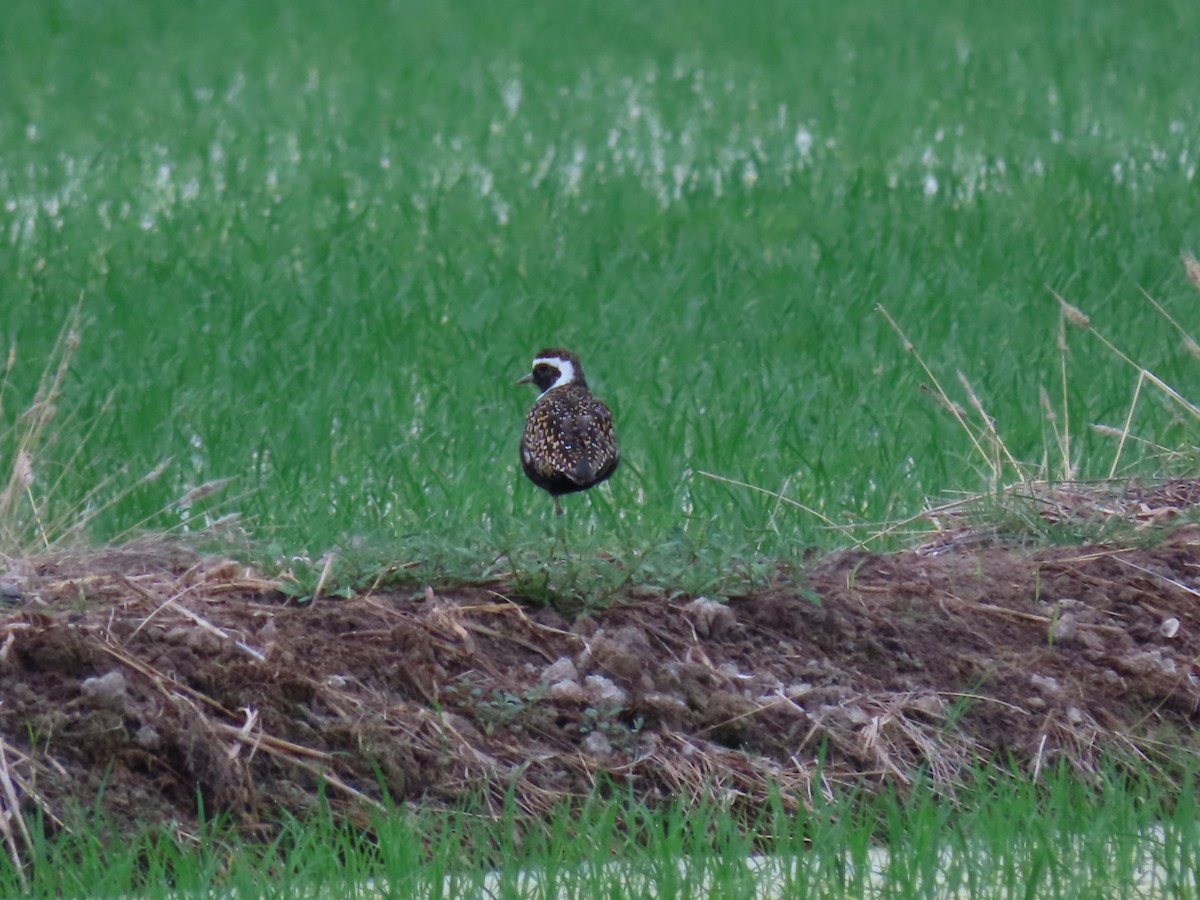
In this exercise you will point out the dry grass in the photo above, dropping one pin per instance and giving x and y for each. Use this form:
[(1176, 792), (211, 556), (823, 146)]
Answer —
[(1023, 499), (36, 518), (23, 524), (219, 683)]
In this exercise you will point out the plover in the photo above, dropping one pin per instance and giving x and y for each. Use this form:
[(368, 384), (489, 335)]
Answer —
[(569, 444)]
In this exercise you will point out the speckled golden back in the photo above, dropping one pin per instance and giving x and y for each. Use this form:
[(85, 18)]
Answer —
[(569, 443)]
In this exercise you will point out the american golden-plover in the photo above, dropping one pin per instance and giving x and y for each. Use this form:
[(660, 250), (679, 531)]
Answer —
[(569, 444)]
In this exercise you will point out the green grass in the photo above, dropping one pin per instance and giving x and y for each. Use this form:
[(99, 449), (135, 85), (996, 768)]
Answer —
[(1121, 836), (316, 245)]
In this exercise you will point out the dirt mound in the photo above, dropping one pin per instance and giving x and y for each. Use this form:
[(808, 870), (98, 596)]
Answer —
[(152, 677)]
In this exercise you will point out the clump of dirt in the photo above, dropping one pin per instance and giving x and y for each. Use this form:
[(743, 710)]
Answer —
[(154, 677)]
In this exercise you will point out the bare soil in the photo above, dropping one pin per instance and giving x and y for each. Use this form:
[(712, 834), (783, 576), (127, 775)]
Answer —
[(152, 677)]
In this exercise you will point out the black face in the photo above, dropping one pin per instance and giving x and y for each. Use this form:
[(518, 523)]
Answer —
[(545, 375)]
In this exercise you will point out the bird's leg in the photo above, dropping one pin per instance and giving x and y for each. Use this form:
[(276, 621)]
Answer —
[(560, 531)]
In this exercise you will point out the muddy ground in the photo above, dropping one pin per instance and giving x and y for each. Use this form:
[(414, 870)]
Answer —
[(151, 676)]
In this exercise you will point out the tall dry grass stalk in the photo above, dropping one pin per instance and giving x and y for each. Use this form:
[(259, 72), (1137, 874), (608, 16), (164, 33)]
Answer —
[(989, 446), (36, 512), (22, 514), (1053, 492), (1012, 481), (980, 428)]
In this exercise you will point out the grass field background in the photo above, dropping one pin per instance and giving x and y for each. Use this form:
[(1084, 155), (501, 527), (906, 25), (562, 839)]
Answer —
[(1123, 835), (317, 243)]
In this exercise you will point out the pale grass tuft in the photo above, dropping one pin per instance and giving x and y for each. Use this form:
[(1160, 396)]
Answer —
[(1166, 389), (1061, 434), (1151, 447), (1193, 268), (1073, 314), (201, 491), (1189, 342), (956, 410), (1044, 399), (156, 473), (996, 443)]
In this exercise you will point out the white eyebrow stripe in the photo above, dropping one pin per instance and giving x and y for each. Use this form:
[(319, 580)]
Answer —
[(566, 371)]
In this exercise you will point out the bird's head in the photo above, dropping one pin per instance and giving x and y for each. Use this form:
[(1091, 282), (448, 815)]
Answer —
[(555, 367)]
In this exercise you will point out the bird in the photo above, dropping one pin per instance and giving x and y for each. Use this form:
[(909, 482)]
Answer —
[(569, 444)]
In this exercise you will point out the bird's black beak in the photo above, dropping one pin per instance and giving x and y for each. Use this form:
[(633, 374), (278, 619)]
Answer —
[(526, 380)]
